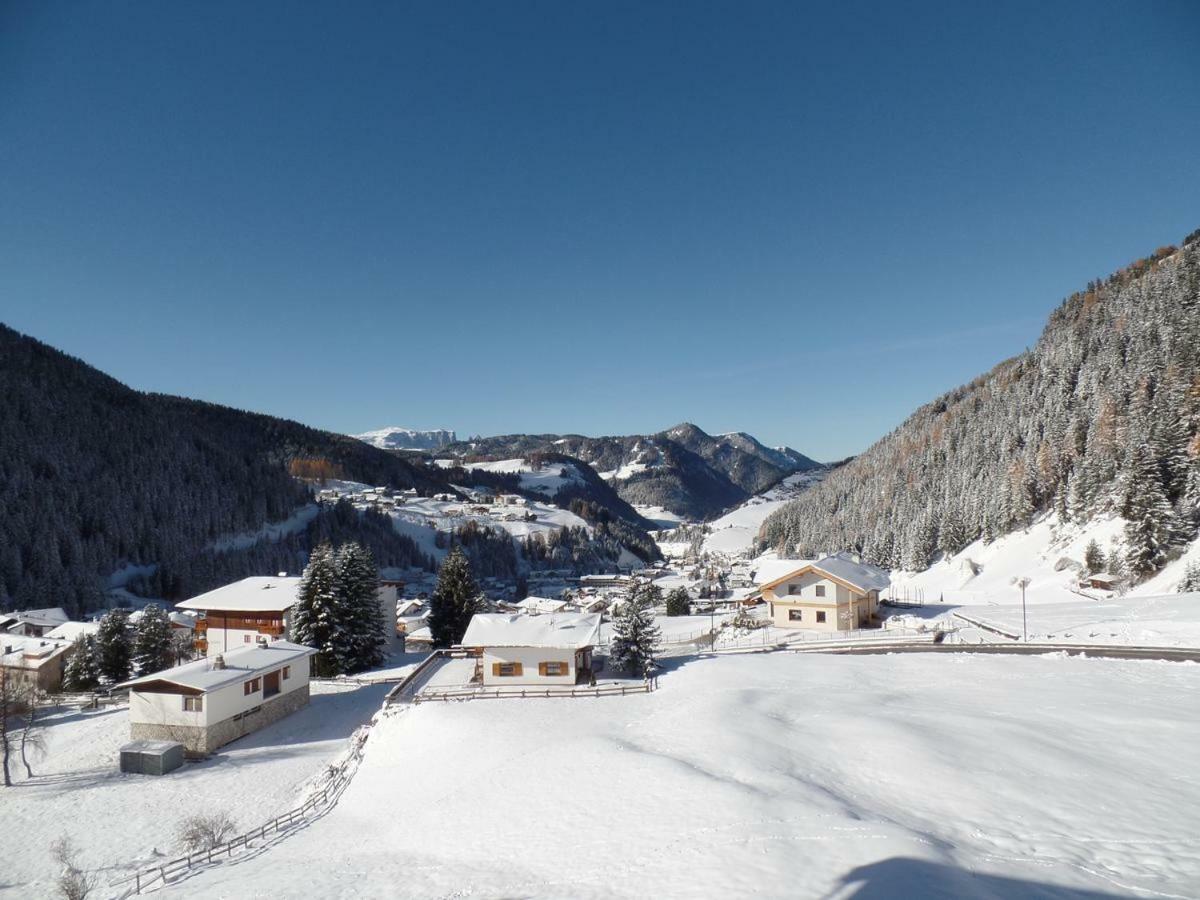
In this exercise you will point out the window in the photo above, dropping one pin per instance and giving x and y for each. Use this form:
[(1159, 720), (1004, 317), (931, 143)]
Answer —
[(793, 589), (506, 670), (245, 638), (193, 704), (820, 590), (553, 668), (287, 672), (252, 686), (820, 615), (796, 615)]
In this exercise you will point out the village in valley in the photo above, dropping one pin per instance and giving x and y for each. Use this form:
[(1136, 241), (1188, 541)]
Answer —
[(796, 490), (290, 675)]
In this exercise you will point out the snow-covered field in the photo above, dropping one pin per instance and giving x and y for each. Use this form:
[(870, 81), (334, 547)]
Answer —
[(1167, 621), (781, 776), (119, 821)]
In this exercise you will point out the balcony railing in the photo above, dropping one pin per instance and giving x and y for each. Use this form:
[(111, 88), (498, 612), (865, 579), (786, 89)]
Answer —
[(201, 645), (201, 626), (275, 630)]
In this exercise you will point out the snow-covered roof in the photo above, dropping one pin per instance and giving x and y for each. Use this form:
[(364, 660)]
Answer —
[(259, 593), (542, 605), (27, 652), (70, 631), (409, 607), (860, 575), (51, 616), (557, 630), (240, 664)]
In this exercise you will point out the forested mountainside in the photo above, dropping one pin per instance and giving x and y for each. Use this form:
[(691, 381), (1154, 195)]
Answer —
[(95, 476), (683, 469), (1102, 415)]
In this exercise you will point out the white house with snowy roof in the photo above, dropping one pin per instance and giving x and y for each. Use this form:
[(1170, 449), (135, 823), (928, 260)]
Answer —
[(238, 614), (533, 650), (835, 593), (206, 703)]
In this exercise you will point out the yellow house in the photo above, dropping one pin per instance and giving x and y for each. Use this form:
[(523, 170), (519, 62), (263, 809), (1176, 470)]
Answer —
[(836, 593)]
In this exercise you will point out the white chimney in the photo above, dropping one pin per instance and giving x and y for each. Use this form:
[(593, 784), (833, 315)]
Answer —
[(262, 642), (218, 661)]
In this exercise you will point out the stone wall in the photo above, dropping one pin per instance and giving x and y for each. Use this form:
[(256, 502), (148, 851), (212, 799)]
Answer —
[(203, 740)]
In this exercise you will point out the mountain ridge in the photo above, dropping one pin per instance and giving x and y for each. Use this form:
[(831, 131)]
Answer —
[(682, 468)]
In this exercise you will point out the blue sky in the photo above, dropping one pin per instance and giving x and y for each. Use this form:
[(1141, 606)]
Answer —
[(800, 221)]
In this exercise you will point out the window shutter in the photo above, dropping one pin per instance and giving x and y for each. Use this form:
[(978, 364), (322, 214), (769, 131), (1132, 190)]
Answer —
[(517, 670), (496, 669), (542, 667)]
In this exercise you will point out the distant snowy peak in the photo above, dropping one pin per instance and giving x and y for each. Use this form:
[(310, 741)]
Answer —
[(397, 438)]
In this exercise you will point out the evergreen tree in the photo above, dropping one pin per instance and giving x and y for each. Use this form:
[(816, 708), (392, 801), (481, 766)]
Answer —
[(82, 671), (1093, 558), (318, 617), (1149, 529), (635, 636), (362, 627), (1191, 579), (153, 642), (455, 600), (679, 603), (114, 646)]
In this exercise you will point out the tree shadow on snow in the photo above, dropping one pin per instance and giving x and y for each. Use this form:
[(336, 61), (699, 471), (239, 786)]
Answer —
[(900, 877)]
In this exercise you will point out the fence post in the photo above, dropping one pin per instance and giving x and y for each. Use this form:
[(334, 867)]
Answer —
[(137, 881)]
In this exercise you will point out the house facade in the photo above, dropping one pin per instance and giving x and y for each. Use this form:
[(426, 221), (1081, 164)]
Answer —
[(238, 614), (836, 593), (209, 702), (551, 649), (40, 661)]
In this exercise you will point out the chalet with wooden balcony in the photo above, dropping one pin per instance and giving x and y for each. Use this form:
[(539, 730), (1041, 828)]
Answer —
[(238, 614)]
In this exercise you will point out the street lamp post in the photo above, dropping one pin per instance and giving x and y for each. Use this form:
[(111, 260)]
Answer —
[(1022, 584)]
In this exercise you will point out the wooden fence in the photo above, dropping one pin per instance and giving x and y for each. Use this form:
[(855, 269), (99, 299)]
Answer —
[(604, 690)]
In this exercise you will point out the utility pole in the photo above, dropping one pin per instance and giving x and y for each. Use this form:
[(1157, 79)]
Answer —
[(1022, 584)]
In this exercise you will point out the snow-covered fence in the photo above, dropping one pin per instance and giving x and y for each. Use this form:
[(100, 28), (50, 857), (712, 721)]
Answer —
[(408, 687), (604, 690), (319, 802)]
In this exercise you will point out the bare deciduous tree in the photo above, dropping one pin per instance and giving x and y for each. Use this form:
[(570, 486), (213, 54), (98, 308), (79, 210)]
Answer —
[(74, 883), (204, 831)]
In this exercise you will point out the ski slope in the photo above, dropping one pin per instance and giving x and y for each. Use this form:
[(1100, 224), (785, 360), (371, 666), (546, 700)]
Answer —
[(774, 776)]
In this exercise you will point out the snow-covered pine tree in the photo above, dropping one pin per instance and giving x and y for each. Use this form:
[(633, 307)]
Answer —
[(1191, 579), (1093, 558), (1149, 515), (82, 671), (318, 617), (358, 595), (679, 602), (153, 642), (455, 600), (114, 646), (635, 636)]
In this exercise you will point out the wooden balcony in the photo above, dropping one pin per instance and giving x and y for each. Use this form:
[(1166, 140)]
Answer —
[(201, 626), (273, 630), (201, 645)]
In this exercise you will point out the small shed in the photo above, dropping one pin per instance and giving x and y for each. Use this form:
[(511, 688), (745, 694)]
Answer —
[(151, 757)]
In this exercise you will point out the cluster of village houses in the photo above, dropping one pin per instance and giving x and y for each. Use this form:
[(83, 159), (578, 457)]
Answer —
[(505, 507), (249, 673)]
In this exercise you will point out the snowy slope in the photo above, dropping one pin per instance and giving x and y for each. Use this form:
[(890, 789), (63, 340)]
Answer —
[(399, 438), (734, 532), (121, 820), (774, 776)]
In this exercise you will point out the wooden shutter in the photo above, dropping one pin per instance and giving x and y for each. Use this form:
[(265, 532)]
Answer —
[(542, 667), (496, 669), (517, 670)]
